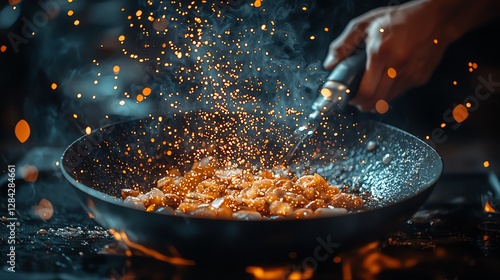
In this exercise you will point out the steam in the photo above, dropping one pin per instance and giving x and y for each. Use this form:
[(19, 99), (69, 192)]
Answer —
[(229, 57), (199, 55)]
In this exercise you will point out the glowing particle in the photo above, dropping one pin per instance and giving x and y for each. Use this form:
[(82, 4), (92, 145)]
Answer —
[(304, 8), (326, 92), (88, 130), (29, 173), (75, 116), (486, 164), (454, 83), (381, 30), (443, 125), (474, 65), (337, 259), (44, 209), (121, 38), (146, 91), (312, 37), (263, 27), (3, 48), (152, 140), (57, 163), (382, 106), (435, 41), (391, 72), (116, 69), (70, 13), (22, 131), (138, 13), (53, 86), (257, 3), (468, 105), (78, 95), (139, 97), (460, 113), (76, 22), (179, 55), (326, 29), (70, 1), (160, 24), (122, 102)]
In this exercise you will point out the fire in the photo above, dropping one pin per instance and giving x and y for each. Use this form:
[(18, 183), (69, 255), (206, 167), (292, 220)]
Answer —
[(22, 131), (175, 260), (282, 272), (488, 208), (369, 261)]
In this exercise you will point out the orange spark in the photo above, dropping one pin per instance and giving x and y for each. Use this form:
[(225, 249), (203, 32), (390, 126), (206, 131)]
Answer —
[(22, 131), (382, 106), (460, 113), (391, 72), (146, 91)]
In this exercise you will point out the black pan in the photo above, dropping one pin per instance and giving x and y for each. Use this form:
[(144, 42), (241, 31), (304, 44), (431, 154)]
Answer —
[(138, 152)]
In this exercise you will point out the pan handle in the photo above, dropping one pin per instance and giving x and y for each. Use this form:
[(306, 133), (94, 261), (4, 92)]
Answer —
[(340, 85), (350, 71)]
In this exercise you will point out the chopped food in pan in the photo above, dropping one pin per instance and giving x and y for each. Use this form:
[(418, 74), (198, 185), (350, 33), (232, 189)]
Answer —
[(229, 192)]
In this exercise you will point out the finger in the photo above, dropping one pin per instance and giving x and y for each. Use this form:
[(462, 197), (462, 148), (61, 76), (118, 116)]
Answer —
[(371, 78), (400, 86), (352, 36)]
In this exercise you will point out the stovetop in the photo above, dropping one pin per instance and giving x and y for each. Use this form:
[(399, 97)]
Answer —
[(455, 235)]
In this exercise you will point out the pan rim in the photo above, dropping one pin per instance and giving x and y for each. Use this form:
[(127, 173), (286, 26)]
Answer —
[(427, 187)]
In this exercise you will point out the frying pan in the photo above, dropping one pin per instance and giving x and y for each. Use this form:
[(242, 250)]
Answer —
[(399, 175)]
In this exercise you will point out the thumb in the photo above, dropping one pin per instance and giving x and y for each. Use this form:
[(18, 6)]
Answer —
[(352, 36)]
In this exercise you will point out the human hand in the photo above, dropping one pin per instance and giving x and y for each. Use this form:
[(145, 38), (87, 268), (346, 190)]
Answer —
[(404, 45)]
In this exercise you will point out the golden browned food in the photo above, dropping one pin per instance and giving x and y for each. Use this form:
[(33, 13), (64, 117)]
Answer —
[(234, 193)]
